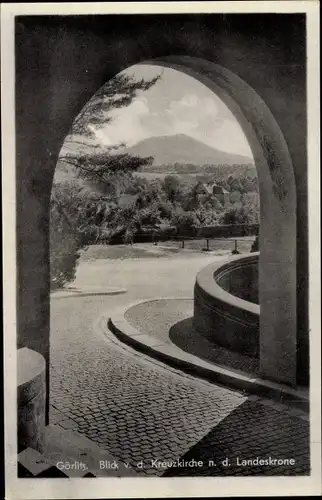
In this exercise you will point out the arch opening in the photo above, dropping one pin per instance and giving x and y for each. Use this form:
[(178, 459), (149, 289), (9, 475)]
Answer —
[(277, 261)]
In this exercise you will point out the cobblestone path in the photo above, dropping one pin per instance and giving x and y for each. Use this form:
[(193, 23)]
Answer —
[(140, 410), (252, 430), (132, 407), (171, 321)]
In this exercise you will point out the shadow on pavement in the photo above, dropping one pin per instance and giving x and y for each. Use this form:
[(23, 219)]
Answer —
[(184, 335), (252, 430)]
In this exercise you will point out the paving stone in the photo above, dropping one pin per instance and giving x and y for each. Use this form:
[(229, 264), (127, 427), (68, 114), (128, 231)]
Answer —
[(174, 325), (135, 408)]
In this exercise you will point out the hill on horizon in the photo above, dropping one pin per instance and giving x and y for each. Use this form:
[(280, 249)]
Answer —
[(168, 151), (180, 148)]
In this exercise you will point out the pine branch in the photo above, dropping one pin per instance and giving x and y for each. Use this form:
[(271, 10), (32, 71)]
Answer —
[(119, 92), (71, 141), (81, 167), (61, 210)]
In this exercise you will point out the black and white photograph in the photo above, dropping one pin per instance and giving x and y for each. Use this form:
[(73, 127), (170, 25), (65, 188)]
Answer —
[(160, 178)]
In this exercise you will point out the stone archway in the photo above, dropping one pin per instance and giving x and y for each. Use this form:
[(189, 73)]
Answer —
[(77, 56), (277, 267)]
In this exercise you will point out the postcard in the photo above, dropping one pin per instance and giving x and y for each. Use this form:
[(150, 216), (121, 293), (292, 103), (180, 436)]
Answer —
[(161, 249)]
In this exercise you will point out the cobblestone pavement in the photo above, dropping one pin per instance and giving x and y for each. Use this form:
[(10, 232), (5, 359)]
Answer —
[(138, 409), (135, 409), (252, 430), (171, 321)]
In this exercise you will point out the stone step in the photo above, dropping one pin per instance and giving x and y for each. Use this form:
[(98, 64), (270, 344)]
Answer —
[(31, 463), (78, 456), (69, 454)]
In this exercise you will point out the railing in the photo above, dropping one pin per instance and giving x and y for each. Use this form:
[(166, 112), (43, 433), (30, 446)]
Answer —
[(207, 248), (233, 233), (236, 244)]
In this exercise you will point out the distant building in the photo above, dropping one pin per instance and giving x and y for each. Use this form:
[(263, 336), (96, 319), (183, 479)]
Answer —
[(208, 190)]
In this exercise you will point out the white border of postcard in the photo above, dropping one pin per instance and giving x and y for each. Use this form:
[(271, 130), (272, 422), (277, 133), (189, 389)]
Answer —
[(157, 487)]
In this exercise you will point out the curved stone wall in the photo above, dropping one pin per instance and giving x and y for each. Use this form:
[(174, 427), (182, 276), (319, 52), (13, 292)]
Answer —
[(240, 278), (221, 312)]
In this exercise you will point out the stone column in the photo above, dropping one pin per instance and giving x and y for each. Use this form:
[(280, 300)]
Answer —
[(31, 399)]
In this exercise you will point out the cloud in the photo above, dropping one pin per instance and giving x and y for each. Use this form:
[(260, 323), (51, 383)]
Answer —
[(100, 136), (192, 107), (204, 118), (125, 125), (190, 115)]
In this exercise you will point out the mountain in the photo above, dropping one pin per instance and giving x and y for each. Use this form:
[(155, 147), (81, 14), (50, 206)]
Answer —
[(181, 148), (167, 150)]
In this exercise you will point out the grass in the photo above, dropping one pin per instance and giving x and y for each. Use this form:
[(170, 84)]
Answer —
[(163, 249), (94, 252)]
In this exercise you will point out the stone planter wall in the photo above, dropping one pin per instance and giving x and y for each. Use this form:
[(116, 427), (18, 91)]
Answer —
[(219, 314)]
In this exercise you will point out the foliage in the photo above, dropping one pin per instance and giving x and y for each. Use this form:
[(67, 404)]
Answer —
[(147, 206), (76, 217), (255, 245), (166, 210), (206, 216), (65, 252), (235, 215), (183, 220), (118, 92), (171, 187), (107, 173), (250, 202), (65, 238)]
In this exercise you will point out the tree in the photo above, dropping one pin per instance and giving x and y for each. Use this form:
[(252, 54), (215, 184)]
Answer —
[(235, 185), (171, 186), (205, 216), (73, 222), (235, 197), (108, 168), (166, 209), (235, 215), (107, 173), (66, 239), (251, 205), (118, 92), (183, 221)]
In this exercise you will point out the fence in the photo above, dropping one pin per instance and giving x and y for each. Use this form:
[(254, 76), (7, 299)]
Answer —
[(237, 238), (234, 245)]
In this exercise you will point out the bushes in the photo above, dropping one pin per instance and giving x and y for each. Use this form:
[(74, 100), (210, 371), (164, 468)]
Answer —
[(66, 236), (227, 231), (235, 215), (255, 245), (65, 246), (183, 221)]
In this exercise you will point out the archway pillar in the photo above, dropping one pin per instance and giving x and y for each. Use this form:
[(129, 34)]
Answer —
[(277, 289)]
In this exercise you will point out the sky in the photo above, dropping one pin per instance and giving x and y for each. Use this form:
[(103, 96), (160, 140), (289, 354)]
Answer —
[(176, 104)]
